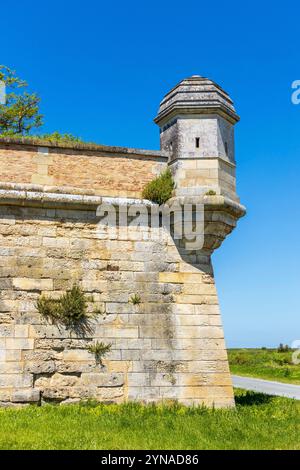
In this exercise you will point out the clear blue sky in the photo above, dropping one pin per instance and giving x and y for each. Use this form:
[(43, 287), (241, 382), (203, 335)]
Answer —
[(101, 69)]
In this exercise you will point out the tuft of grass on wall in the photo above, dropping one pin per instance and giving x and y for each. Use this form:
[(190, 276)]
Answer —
[(160, 189), (135, 299), (100, 350), (70, 309)]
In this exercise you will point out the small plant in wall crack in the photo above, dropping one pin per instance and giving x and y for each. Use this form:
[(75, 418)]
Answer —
[(100, 350), (135, 299), (70, 309), (211, 192), (48, 307)]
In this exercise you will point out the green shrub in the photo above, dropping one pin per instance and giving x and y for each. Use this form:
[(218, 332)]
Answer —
[(100, 350), (287, 372), (70, 309), (240, 358), (282, 361), (47, 307), (73, 306), (160, 189)]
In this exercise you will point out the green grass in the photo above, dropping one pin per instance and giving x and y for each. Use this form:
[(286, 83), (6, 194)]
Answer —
[(258, 422), (264, 364)]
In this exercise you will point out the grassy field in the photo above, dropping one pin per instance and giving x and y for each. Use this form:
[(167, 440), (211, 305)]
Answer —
[(258, 422), (264, 364)]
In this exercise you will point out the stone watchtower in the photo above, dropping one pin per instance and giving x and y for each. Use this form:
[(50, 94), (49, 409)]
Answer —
[(196, 120), (169, 344)]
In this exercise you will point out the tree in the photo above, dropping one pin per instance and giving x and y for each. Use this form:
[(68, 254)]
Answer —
[(20, 112)]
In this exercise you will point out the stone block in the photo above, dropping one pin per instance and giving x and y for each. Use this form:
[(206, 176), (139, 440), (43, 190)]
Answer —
[(21, 331), (206, 366), (157, 355), (56, 394), (205, 309), (60, 380), (199, 289), (25, 396), (215, 320), (108, 394), (131, 355), (13, 355), (33, 284), (72, 367), (208, 344), (197, 299), (102, 379), (139, 379), (42, 179), (19, 343), (7, 330), (144, 394), (180, 277), (16, 380), (49, 331), (113, 307), (211, 392), (4, 395), (121, 332), (118, 366), (11, 367), (76, 355), (40, 367), (208, 332), (193, 320)]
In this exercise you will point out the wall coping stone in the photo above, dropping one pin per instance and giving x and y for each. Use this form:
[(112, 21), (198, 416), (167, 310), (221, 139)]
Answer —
[(40, 196), (107, 150)]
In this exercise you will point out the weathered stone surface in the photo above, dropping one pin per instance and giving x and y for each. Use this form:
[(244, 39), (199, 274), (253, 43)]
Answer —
[(25, 396), (5, 395), (33, 284), (108, 394), (40, 367), (9, 380), (102, 379), (59, 394), (21, 331), (76, 367), (7, 331), (60, 380), (19, 343)]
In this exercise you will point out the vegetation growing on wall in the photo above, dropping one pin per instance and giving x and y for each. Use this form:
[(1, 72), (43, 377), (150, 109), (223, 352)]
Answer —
[(54, 137), (70, 309), (135, 299), (160, 189), (100, 350), (211, 192)]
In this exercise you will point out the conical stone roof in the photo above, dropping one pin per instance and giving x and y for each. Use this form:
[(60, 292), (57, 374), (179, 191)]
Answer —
[(196, 95)]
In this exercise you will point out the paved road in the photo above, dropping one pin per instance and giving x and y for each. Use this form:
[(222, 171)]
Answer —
[(267, 386)]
